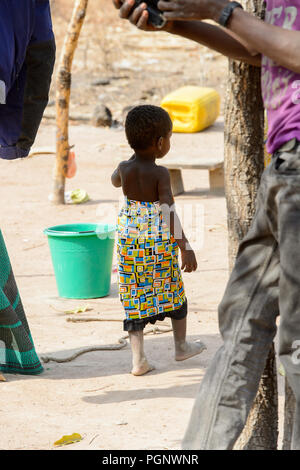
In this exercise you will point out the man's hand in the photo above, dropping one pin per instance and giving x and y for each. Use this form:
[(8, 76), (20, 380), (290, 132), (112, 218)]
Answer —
[(192, 9), (189, 262), (137, 16)]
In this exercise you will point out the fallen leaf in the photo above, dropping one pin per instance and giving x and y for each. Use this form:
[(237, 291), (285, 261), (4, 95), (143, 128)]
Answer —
[(65, 440), (78, 310), (86, 308), (281, 370)]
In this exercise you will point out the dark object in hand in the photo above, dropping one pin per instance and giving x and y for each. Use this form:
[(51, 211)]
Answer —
[(155, 15)]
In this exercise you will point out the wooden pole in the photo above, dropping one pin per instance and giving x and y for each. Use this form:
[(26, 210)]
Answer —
[(63, 91)]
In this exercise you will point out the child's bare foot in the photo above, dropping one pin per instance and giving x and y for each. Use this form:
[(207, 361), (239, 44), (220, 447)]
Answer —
[(2, 378), (142, 368), (187, 350)]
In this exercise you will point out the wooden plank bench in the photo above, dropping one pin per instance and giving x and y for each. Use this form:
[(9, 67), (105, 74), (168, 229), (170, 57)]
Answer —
[(197, 151), (215, 166)]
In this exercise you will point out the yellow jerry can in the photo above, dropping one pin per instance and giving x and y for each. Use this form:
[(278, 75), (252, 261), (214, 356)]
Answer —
[(192, 108)]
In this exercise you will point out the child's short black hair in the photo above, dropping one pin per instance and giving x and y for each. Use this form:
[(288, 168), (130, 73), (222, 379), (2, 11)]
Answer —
[(145, 124)]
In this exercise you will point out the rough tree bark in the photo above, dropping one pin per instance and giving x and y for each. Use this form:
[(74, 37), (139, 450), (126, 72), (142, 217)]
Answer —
[(244, 163), (63, 91)]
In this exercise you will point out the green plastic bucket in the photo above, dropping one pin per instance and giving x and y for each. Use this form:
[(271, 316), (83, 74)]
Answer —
[(82, 257)]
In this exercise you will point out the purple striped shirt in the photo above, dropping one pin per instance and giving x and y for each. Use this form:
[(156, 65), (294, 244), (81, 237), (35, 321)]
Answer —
[(280, 86)]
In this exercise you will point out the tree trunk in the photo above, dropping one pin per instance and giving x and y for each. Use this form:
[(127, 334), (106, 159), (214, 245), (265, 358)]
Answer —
[(261, 430), (63, 91), (244, 163), (244, 147)]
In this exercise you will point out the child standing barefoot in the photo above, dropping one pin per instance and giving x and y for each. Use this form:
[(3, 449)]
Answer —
[(149, 236)]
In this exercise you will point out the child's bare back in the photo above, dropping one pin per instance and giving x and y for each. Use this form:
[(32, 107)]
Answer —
[(140, 179)]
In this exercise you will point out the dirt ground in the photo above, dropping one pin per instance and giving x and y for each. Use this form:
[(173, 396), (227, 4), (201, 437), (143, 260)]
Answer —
[(95, 395), (137, 67)]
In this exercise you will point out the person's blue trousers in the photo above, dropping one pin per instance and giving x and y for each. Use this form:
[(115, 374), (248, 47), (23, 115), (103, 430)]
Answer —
[(27, 55)]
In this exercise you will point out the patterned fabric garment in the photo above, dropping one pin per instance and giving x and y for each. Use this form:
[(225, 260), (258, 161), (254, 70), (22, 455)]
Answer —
[(17, 352), (150, 282)]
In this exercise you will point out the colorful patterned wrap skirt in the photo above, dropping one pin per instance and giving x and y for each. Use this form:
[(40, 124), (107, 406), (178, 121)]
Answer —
[(150, 282)]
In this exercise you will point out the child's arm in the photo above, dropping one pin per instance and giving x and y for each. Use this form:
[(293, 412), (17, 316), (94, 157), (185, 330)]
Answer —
[(170, 216), (116, 178)]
